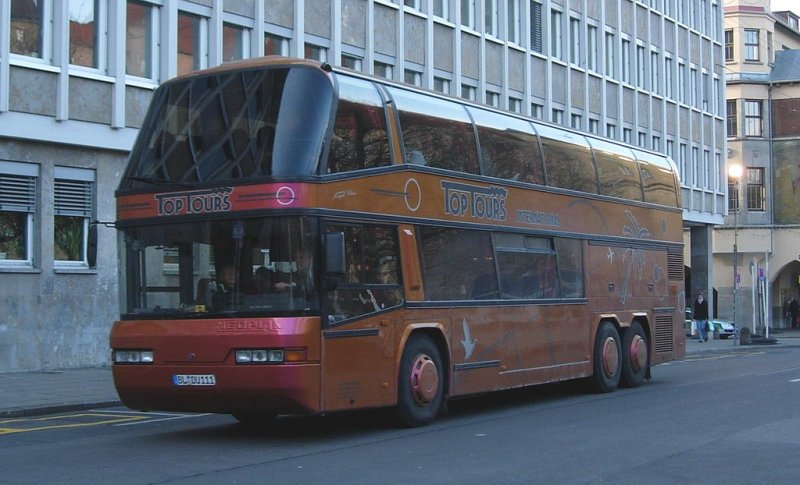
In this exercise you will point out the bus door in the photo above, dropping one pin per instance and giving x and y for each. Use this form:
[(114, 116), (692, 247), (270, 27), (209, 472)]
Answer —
[(360, 308)]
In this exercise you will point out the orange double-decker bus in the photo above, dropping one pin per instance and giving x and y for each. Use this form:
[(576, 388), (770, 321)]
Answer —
[(301, 239)]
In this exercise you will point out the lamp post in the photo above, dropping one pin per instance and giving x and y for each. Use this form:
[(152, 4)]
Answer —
[(735, 172)]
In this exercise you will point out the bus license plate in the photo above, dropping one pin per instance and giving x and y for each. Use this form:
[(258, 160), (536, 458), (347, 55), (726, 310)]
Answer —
[(194, 380)]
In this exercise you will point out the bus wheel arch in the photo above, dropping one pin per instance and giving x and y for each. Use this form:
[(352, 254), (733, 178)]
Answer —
[(607, 358), (422, 378), (635, 354)]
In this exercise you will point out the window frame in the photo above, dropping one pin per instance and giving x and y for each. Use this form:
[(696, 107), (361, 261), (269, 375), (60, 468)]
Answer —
[(28, 174), (68, 203)]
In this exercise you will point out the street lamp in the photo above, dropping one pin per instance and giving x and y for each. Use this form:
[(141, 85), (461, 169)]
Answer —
[(735, 172)]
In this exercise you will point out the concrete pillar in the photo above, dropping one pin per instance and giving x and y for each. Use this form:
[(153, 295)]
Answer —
[(701, 259)]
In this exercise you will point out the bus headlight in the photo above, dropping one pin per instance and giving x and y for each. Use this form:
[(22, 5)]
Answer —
[(259, 356), (133, 356)]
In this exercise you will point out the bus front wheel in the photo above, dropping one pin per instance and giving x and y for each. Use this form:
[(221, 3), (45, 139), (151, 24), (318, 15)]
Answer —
[(420, 383), (607, 358), (635, 356)]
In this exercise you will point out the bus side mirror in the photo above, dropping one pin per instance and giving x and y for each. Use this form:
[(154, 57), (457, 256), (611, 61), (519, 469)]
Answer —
[(334, 254)]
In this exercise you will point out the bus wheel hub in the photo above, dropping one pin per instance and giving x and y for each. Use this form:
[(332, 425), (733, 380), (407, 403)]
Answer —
[(610, 357), (638, 351), (424, 379)]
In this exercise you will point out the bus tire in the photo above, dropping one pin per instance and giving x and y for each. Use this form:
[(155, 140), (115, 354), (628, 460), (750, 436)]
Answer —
[(635, 356), (420, 382), (607, 358)]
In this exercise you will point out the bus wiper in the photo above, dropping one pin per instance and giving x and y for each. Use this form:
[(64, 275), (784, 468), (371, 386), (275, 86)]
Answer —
[(155, 181)]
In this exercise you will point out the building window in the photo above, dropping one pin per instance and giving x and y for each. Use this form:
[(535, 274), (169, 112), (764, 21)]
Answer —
[(575, 50), (594, 126), (411, 3), (694, 80), (493, 99), (192, 48), (383, 70), (28, 28), (752, 118), (558, 116), (17, 208), (728, 45), (441, 84), (140, 40), (491, 13), (351, 62), (235, 42), (626, 61), (751, 44), (642, 139), (610, 67), (668, 78), (468, 92), (441, 9), (537, 111), (556, 50), (654, 81), (412, 77), (315, 52), (514, 16), (733, 127), (536, 26), (73, 204), (755, 189), (591, 47), (275, 45), (733, 194), (611, 131), (468, 13), (515, 105), (87, 32), (641, 67), (575, 121), (627, 135)]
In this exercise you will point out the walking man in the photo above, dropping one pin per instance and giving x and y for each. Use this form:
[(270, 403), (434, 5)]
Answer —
[(700, 316)]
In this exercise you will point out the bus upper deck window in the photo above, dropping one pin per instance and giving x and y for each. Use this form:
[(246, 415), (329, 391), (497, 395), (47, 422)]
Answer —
[(359, 140)]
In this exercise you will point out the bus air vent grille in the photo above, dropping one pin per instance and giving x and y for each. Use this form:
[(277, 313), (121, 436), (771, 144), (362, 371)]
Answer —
[(663, 332), (675, 265)]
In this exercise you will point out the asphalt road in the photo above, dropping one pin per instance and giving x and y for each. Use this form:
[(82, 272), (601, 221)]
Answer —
[(713, 418)]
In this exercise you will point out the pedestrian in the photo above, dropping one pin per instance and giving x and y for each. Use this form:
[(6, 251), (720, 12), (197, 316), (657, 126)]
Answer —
[(700, 316), (794, 311)]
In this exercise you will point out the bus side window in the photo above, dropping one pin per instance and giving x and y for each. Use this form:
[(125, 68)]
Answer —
[(458, 264), (568, 161), (372, 281), (359, 139), (436, 133), (509, 147)]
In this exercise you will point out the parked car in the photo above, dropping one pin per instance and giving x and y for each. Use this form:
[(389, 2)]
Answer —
[(724, 327)]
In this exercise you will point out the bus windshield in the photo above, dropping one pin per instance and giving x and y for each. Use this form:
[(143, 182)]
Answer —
[(241, 267), (233, 125)]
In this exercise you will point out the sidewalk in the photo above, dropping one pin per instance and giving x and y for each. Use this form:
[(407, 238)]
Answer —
[(48, 392)]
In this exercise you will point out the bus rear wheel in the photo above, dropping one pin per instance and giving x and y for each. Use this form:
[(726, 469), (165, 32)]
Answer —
[(635, 356), (420, 383), (607, 358)]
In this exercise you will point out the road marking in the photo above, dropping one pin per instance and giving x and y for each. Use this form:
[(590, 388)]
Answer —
[(172, 418), (63, 421)]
